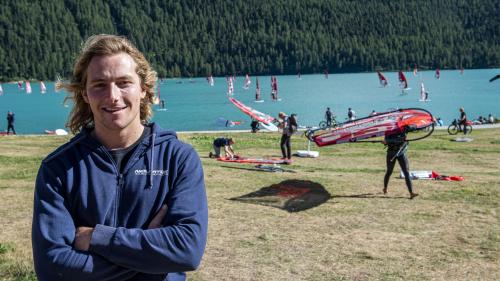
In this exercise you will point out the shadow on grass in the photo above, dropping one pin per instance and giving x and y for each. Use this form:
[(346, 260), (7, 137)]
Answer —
[(289, 195)]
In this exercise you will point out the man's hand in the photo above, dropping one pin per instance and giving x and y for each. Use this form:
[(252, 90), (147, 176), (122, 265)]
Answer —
[(156, 222), (82, 238)]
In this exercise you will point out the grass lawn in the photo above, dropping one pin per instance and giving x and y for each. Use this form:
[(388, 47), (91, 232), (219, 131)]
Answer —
[(450, 232)]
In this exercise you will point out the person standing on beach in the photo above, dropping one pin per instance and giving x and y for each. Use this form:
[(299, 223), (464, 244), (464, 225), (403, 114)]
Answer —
[(462, 121), (351, 115), (328, 117), (397, 147), (124, 199), (10, 122)]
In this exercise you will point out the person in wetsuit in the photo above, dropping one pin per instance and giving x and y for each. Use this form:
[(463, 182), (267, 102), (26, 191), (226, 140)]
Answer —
[(397, 147)]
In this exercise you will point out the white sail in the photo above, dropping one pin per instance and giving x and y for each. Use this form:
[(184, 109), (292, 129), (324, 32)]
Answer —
[(43, 89), (1, 90), (28, 87)]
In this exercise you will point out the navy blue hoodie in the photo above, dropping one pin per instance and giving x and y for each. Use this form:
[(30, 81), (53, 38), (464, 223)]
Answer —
[(79, 185)]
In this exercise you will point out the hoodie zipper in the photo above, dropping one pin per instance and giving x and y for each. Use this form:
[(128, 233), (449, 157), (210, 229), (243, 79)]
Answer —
[(119, 187)]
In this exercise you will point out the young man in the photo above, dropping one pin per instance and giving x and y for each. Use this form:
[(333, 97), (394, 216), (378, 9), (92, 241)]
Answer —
[(226, 143), (123, 200)]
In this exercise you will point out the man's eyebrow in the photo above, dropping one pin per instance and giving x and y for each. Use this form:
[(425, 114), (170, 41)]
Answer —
[(101, 79)]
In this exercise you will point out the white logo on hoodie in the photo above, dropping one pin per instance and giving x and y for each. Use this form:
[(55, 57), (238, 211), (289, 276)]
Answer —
[(145, 172)]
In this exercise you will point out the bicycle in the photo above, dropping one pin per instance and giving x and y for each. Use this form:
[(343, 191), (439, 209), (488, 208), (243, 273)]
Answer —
[(324, 125), (455, 128)]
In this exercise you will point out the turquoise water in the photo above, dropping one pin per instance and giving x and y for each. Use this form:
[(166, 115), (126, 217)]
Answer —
[(194, 105)]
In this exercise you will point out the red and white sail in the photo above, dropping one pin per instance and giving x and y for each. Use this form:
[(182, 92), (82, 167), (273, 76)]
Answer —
[(381, 78)]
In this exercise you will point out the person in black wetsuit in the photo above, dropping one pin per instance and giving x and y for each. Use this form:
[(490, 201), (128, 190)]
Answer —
[(397, 147), (462, 122), (10, 122), (328, 117)]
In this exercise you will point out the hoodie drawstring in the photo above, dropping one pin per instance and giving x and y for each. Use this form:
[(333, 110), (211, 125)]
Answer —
[(151, 167)]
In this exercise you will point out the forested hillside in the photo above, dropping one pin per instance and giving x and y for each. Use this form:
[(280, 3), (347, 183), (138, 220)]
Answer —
[(39, 38)]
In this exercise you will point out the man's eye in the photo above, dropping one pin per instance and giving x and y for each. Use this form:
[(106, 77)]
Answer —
[(124, 83)]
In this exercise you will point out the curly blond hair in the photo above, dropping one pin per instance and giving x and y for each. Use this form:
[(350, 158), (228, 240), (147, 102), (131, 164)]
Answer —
[(104, 45)]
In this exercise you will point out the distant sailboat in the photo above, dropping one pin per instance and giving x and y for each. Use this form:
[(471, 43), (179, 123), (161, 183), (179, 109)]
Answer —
[(230, 86), (210, 80), (381, 78), (43, 89), (403, 83), (274, 88), (424, 95), (28, 87), (257, 91), (247, 82)]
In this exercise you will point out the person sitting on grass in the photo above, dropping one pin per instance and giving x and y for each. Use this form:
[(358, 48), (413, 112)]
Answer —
[(223, 142)]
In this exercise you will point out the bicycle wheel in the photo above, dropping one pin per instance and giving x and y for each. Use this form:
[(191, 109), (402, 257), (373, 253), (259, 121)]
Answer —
[(323, 125), (452, 129), (469, 129)]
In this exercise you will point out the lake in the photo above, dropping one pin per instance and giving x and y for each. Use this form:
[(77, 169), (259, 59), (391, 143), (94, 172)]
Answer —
[(194, 105)]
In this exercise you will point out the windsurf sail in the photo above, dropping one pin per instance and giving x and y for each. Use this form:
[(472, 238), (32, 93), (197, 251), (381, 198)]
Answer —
[(437, 74), (230, 86), (20, 85), (415, 71), (382, 124), (254, 160), (1, 90), (274, 88), (210, 80), (43, 89), (247, 82), (223, 122), (423, 93), (402, 80), (326, 73), (382, 79), (265, 120), (28, 87), (491, 80), (257, 90)]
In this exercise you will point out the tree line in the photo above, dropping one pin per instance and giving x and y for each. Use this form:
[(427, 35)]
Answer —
[(40, 39)]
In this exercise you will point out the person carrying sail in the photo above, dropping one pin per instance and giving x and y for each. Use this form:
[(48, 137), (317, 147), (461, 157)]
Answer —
[(397, 147), (288, 126)]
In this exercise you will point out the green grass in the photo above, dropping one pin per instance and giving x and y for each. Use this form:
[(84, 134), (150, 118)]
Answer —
[(449, 232)]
